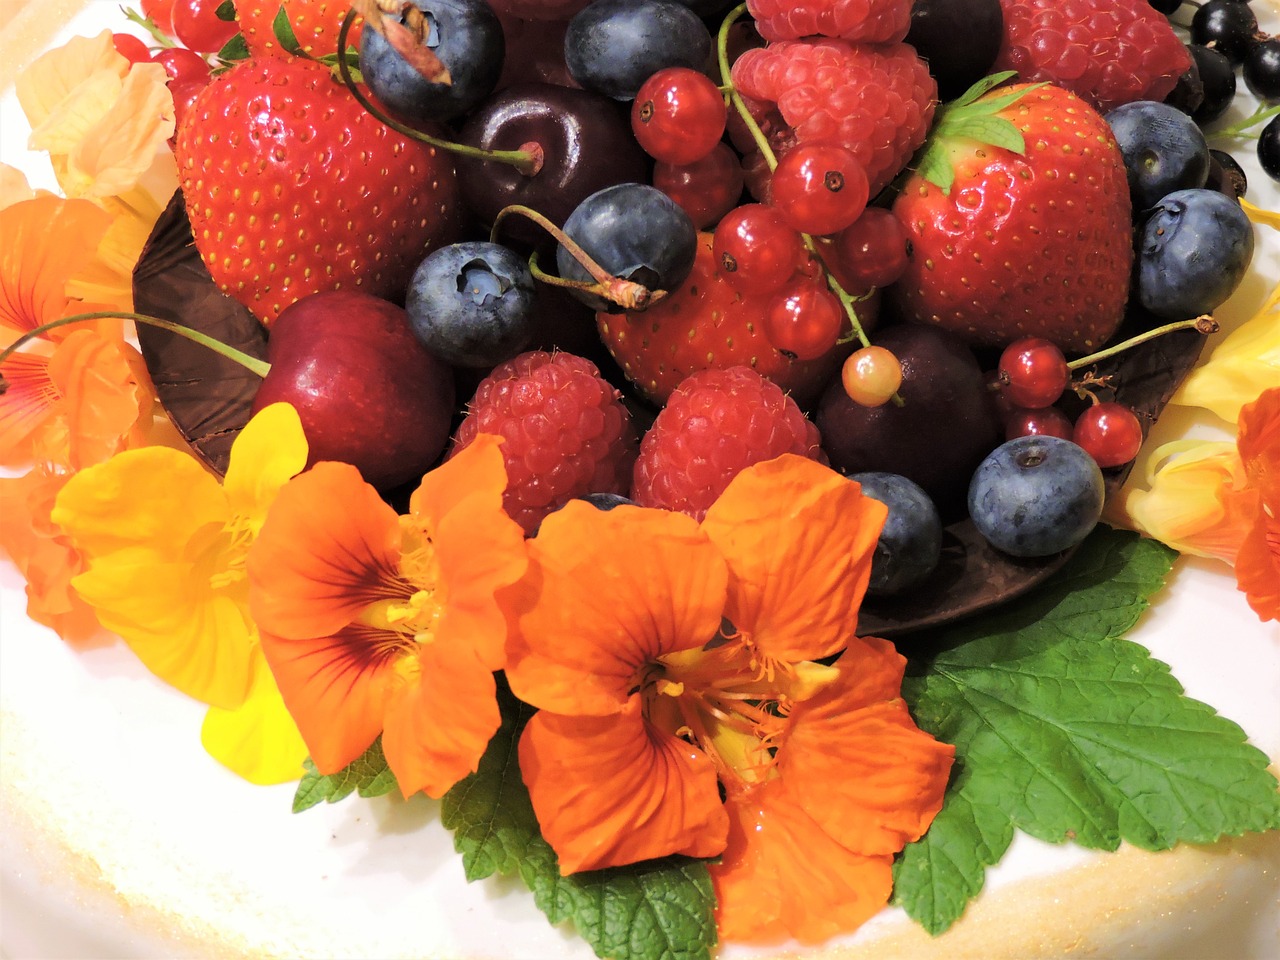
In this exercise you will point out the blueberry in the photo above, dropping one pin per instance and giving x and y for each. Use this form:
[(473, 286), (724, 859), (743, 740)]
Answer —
[(472, 304), (1163, 150), (1195, 248), (614, 46), (1036, 496), (910, 544), (467, 37), (635, 232)]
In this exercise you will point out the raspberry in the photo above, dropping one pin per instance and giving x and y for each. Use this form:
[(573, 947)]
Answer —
[(1108, 52), (865, 21), (716, 424), (877, 101), (565, 429)]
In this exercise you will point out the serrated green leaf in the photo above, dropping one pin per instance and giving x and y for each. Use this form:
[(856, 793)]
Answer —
[(994, 131), (935, 166), (659, 910), (226, 11), (234, 49), (283, 29), (982, 86), (1066, 731), (368, 775)]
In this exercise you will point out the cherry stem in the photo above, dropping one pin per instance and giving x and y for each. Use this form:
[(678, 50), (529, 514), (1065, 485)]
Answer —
[(1203, 324), (528, 161), (253, 364), (625, 293), (149, 25), (770, 158)]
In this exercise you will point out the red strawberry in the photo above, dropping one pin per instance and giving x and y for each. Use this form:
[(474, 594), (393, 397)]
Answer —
[(565, 431), (1036, 243), (315, 26), (292, 188), (706, 324), (877, 101), (716, 424), (1108, 52), (865, 21)]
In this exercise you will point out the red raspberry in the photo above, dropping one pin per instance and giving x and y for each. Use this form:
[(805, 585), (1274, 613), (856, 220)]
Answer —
[(877, 101), (866, 21), (1108, 52), (716, 424), (566, 432)]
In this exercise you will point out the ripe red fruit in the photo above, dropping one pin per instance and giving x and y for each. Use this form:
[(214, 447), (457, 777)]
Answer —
[(183, 66), (706, 324), (716, 424), (315, 26), (706, 189), (1108, 52), (871, 376), (1033, 373), (755, 250), (678, 115), (1110, 432), (130, 47), (197, 25), (292, 188), (866, 21), (1033, 244), (871, 252), (565, 430), (804, 320), (1045, 422), (819, 188)]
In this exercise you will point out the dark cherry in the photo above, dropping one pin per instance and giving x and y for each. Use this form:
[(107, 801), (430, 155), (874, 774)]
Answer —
[(586, 145), (958, 38)]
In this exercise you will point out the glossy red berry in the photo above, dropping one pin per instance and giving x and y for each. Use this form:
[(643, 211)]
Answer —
[(819, 188), (1111, 433), (131, 48), (678, 115), (182, 66), (197, 25), (754, 250), (872, 251), (871, 376), (706, 189), (1045, 422), (1033, 372), (159, 12), (805, 321)]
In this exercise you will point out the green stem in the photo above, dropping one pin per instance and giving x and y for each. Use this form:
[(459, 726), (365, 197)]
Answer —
[(147, 24), (528, 160), (1260, 115), (1203, 324), (253, 364)]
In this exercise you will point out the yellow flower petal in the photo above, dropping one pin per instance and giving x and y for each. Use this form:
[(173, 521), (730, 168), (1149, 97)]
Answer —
[(1268, 218), (55, 75), (269, 451), (13, 186), (1240, 368), (257, 740), (70, 121)]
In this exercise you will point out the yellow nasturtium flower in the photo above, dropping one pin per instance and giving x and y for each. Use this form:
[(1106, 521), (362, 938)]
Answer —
[(1240, 368), (165, 546)]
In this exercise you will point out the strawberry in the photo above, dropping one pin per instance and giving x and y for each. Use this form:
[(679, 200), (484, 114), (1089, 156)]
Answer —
[(315, 26), (292, 188), (1031, 237), (706, 324)]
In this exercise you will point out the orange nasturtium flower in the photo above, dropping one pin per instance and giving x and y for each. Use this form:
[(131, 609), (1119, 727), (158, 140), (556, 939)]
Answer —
[(1258, 562), (165, 547), (375, 623), (671, 660)]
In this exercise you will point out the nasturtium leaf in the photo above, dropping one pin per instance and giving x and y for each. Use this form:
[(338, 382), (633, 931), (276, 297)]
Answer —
[(367, 775), (658, 910), (1067, 731)]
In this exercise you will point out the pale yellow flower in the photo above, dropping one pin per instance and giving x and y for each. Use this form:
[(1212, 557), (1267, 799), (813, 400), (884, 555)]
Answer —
[(164, 546), (13, 186), (1240, 368)]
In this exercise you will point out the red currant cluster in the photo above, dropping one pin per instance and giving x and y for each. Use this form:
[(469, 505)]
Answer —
[(1031, 377), (195, 25)]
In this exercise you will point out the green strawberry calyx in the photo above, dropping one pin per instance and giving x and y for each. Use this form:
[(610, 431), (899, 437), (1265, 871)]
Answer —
[(972, 118)]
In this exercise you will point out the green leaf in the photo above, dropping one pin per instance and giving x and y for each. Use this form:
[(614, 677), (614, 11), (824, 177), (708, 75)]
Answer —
[(982, 86), (226, 11), (1068, 732), (996, 131), (283, 29), (658, 910), (234, 49), (368, 775)]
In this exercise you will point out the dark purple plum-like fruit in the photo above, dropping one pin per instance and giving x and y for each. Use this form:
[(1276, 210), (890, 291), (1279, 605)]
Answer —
[(586, 144), (959, 39), (944, 427), (367, 392)]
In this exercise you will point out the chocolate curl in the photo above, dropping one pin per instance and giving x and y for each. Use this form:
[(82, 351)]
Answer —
[(383, 17)]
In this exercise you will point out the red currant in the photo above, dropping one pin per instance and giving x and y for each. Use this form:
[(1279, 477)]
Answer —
[(183, 66), (159, 12), (131, 48), (871, 251), (1033, 372), (819, 188), (1111, 433), (197, 25), (1045, 422), (755, 251), (804, 321), (706, 189), (678, 115), (871, 376)]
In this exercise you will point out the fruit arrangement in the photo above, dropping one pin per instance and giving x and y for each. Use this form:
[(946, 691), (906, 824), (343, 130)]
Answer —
[(617, 277)]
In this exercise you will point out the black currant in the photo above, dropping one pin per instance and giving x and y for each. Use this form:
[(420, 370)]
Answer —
[(1219, 82), (1166, 6), (1262, 70), (1269, 148), (1228, 26), (1226, 175), (959, 39)]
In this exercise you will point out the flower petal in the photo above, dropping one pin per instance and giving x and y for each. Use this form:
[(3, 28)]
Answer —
[(56, 74), (1239, 368), (102, 398), (480, 549), (799, 540), (606, 594), (269, 451), (1258, 562), (856, 761), (783, 876), (613, 790), (30, 401), (258, 740), (439, 723)]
